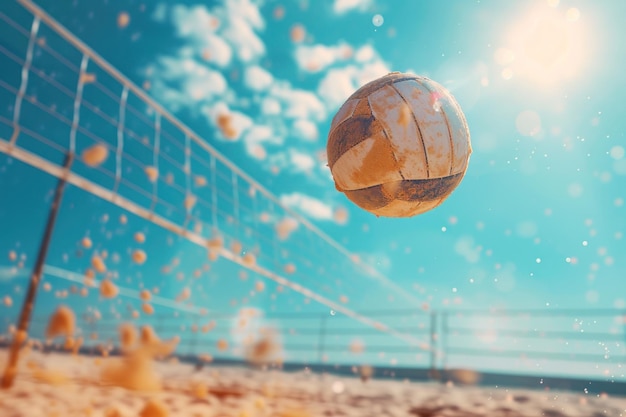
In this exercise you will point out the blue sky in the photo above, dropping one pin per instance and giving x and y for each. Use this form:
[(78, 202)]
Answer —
[(537, 222)]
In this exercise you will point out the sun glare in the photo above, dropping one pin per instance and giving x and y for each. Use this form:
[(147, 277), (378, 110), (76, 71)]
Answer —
[(547, 46)]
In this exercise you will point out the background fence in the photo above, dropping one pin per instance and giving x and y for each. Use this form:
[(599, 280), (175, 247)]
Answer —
[(573, 343)]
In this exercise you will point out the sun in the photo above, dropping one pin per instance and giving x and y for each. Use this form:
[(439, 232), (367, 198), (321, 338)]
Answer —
[(547, 46)]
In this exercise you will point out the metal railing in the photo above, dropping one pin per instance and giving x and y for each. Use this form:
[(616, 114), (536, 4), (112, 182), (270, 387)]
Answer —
[(449, 339)]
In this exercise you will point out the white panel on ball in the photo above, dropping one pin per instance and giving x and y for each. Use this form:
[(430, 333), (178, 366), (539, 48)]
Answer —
[(387, 107), (460, 133), (432, 125)]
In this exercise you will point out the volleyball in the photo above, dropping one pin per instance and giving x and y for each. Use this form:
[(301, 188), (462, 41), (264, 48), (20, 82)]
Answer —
[(399, 146)]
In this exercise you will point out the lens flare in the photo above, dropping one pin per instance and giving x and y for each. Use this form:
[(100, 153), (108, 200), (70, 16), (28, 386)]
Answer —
[(547, 46)]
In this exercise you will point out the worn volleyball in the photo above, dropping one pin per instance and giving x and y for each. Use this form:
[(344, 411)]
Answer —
[(399, 145)]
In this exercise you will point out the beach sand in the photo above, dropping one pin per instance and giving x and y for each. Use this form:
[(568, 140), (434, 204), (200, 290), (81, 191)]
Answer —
[(56, 384)]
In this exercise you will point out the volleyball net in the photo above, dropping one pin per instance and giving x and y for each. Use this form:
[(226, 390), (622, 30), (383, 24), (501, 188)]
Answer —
[(59, 97)]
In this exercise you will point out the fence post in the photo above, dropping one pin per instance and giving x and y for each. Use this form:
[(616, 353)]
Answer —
[(29, 302), (194, 340), (433, 345), (444, 339), (321, 338)]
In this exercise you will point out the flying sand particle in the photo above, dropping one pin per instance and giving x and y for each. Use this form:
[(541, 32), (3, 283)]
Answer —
[(297, 33), (108, 289), (154, 408), (61, 323), (200, 181), (225, 123), (147, 308), (98, 264), (151, 173), (139, 237), (190, 201), (123, 19), (249, 259), (139, 256), (285, 227), (95, 155), (7, 300), (87, 78)]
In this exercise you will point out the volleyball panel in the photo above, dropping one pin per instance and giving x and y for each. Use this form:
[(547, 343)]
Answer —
[(349, 133), (401, 208), (370, 198), (363, 108), (374, 85), (461, 146), (424, 192), (398, 120), (344, 113), (370, 162), (432, 124)]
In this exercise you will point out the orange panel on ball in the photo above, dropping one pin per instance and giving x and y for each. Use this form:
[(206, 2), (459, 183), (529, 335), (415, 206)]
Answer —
[(371, 162), (401, 208)]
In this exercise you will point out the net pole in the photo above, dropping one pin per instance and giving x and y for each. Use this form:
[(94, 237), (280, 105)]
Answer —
[(29, 302)]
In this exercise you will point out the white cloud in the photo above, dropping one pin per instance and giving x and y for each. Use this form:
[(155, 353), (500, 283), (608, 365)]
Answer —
[(305, 129), (344, 6), (160, 13), (247, 11), (235, 123), (260, 134), (199, 26), (293, 160), (301, 161), (365, 54), (319, 57), (297, 103), (339, 83), (217, 39), (466, 247), (257, 78), (308, 205), (256, 139), (184, 82), (220, 31), (371, 71), (246, 43), (270, 106)]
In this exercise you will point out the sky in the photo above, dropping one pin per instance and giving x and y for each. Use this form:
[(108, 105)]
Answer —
[(536, 223)]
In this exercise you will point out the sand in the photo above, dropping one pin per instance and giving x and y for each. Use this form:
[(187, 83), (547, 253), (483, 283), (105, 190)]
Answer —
[(64, 385)]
